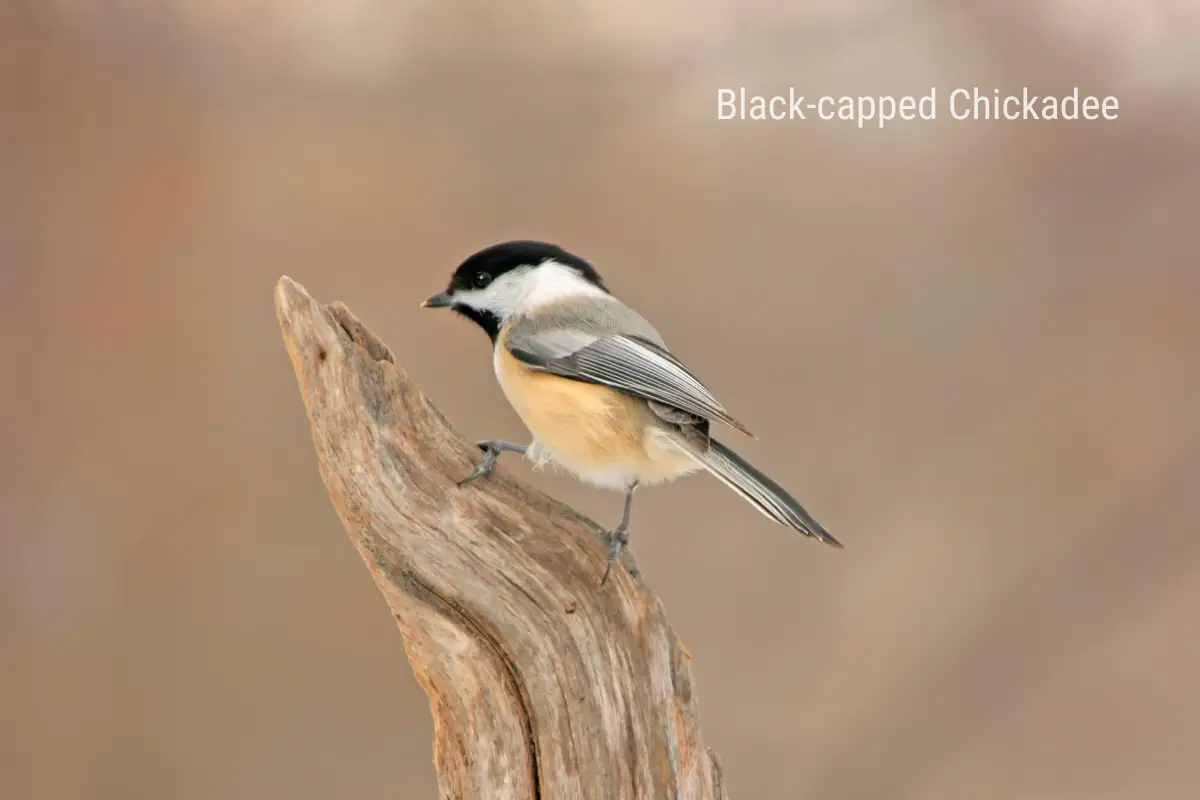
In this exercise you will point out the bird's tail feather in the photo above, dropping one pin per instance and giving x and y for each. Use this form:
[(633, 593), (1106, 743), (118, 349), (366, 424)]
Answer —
[(763, 493)]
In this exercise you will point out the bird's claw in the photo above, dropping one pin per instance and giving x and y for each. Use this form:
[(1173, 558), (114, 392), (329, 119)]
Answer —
[(492, 448), (486, 464), (617, 539)]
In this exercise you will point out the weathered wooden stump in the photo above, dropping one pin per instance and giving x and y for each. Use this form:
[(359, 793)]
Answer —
[(542, 683)]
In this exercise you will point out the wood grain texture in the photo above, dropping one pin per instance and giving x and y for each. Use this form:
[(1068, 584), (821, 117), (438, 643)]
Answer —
[(542, 683)]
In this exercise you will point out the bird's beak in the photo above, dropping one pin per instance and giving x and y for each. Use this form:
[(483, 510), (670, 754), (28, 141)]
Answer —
[(439, 300)]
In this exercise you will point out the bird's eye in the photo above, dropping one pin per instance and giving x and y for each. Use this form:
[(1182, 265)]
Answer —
[(481, 280)]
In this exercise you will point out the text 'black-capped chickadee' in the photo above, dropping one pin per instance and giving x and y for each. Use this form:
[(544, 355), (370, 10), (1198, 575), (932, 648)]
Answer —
[(596, 386)]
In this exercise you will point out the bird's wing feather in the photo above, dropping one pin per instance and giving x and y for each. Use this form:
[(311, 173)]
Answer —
[(630, 364)]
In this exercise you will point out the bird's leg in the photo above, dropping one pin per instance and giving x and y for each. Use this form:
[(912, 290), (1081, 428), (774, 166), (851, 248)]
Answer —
[(618, 537), (492, 448)]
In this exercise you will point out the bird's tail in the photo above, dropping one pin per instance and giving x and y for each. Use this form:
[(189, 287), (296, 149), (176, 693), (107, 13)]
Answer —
[(763, 493)]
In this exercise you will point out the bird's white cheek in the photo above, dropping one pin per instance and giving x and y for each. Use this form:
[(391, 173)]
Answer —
[(503, 297), (551, 282)]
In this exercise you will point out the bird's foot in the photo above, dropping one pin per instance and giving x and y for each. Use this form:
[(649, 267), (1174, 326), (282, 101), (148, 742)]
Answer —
[(618, 537), (492, 448)]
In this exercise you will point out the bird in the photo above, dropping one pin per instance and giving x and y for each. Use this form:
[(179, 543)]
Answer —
[(594, 382)]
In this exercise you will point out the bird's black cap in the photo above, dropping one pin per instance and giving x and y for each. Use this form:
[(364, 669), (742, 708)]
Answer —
[(498, 259), (480, 269)]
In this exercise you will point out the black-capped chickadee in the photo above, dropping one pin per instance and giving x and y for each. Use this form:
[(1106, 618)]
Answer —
[(595, 384)]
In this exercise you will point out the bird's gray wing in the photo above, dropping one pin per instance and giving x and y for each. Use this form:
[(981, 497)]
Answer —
[(628, 363)]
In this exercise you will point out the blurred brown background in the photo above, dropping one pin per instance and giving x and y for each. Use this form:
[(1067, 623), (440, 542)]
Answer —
[(975, 346)]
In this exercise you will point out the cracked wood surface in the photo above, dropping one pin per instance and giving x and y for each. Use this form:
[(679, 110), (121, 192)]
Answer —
[(542, 683)]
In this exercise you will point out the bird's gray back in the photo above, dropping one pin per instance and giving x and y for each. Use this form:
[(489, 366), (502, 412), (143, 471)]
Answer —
[(598, 316)]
